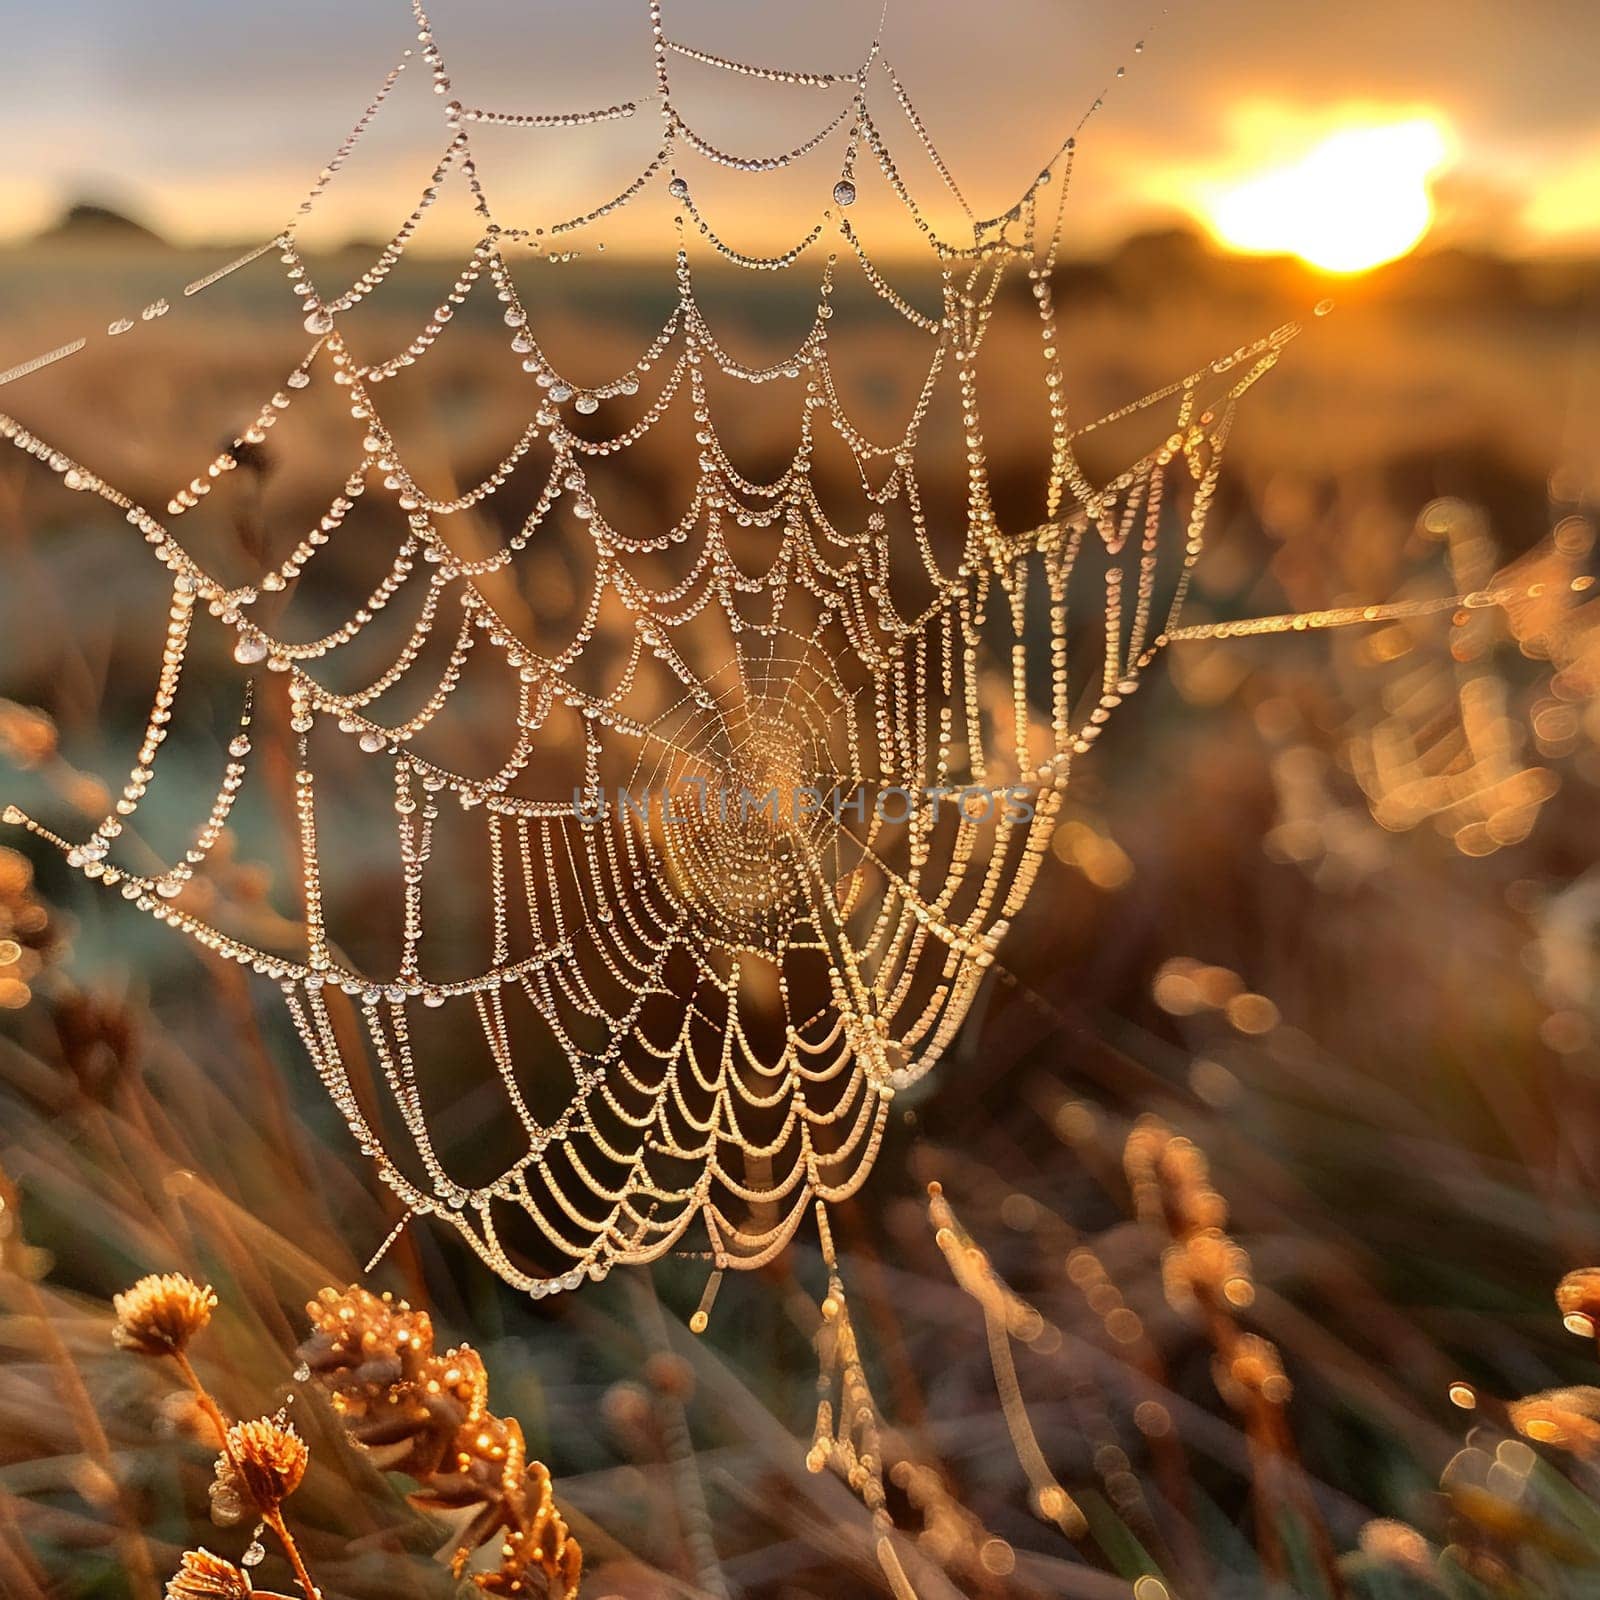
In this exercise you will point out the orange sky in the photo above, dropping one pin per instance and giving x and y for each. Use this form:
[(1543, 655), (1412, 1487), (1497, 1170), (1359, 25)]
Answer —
[(208, 121)]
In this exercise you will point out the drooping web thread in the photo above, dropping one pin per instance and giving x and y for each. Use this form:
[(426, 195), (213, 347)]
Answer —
[(720, 940)]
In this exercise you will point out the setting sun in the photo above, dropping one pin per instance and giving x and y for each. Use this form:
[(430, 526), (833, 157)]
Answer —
[(1356, 199)]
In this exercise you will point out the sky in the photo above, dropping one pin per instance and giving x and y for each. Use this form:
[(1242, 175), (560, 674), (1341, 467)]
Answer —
[(208, 121)]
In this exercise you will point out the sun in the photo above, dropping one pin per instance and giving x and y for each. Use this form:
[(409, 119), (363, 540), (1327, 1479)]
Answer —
[(1356, 199)]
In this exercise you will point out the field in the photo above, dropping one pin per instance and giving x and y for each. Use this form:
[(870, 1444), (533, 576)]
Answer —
[(1323, 904)]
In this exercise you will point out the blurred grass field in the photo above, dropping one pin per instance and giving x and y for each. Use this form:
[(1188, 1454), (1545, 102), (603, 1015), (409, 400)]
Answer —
[(1326, 903)]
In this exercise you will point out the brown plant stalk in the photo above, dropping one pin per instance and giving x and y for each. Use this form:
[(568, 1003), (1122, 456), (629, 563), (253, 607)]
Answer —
[(1207, 1273)]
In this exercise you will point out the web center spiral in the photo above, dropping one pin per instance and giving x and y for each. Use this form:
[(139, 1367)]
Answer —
[(747, 799)]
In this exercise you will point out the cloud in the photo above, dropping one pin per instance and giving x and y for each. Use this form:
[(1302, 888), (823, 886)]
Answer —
[(208, 117)]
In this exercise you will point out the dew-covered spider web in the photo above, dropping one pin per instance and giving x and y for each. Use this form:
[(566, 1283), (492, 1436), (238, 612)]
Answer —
[(688, 884)]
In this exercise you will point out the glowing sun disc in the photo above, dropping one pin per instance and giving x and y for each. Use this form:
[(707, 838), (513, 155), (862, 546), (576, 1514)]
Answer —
[(1357, 199)]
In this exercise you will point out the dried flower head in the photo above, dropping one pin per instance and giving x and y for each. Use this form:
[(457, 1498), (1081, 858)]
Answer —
[(98, 1038), (426, 1413), (160, 1314), (1208, 1266), (1171, 1180), (1398, 1545), (372, 1355), (538, 1555), (29, 939), (1569, 1419), (264, 1459), (203, 1576), (1251, 1369), (669, 1375), (1578, 1299), (27, 735)]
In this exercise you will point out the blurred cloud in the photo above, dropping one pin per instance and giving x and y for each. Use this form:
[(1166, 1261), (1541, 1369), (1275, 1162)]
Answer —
[(207, 121)]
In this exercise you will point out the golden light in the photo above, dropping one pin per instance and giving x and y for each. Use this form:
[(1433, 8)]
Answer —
[(1563, 205), (1358, 198)]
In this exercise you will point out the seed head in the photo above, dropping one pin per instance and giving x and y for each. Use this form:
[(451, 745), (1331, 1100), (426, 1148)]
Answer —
[(1569, 1419), (203, 1576), (1251, 1368), (1578, 1298), (1397, 1544), (538, 1554), (160, 1314), (264, 1459)]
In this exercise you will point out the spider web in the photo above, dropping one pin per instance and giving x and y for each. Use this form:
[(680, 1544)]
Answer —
[(694, 1023)]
